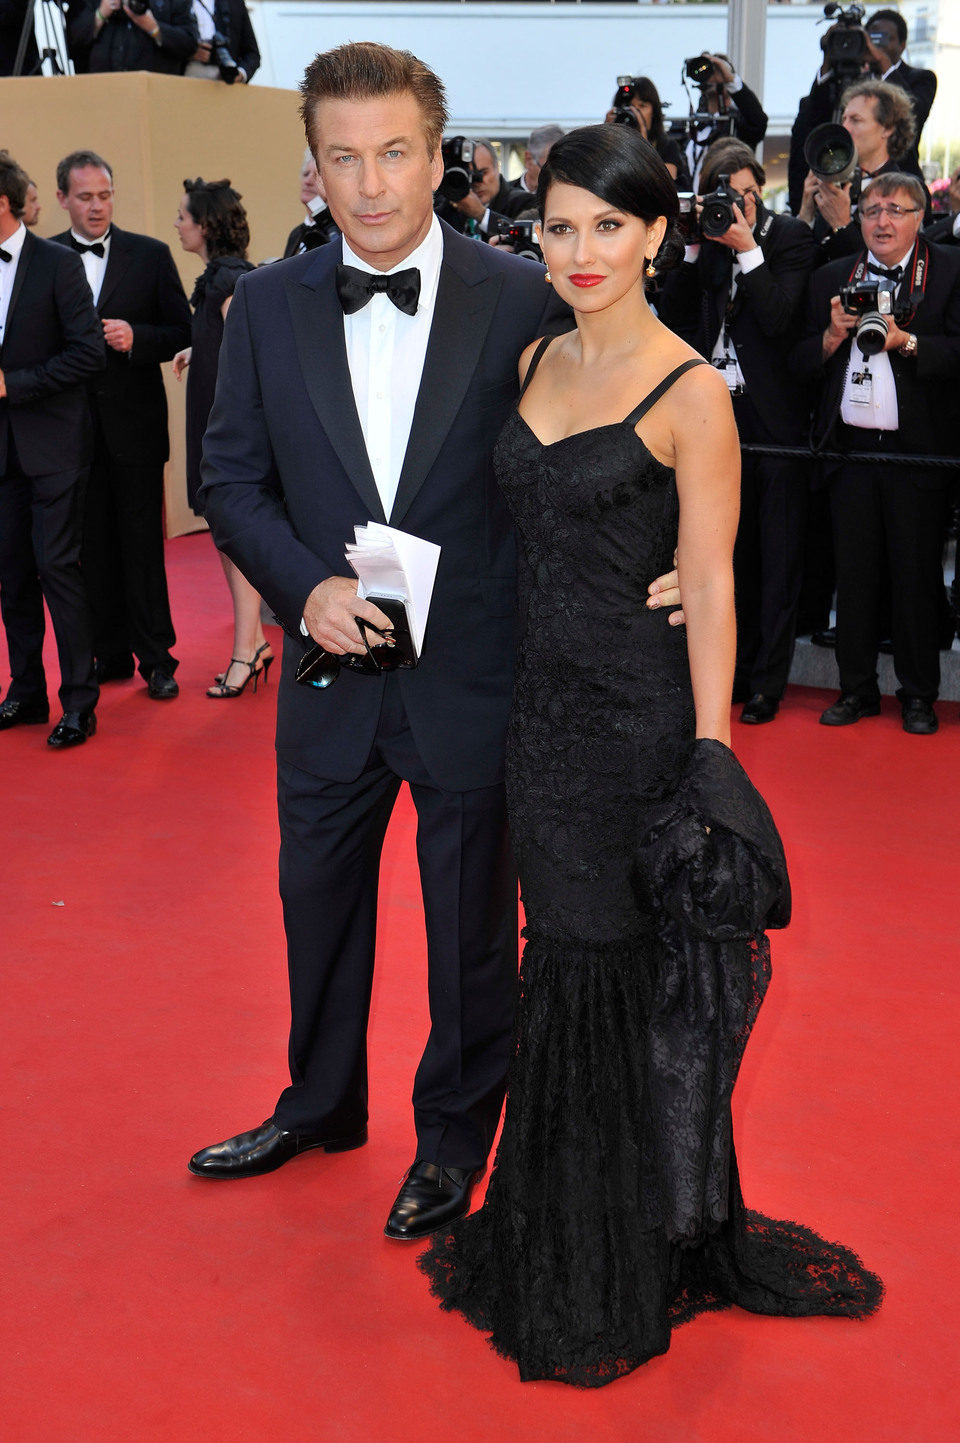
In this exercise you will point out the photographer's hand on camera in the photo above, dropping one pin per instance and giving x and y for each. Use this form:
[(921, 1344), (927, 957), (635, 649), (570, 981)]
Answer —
[(739, 236), (330, 615), (147, 22), (833, 203), (104, 12), (841, 324)]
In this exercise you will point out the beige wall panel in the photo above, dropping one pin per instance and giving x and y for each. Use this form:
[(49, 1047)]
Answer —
[(155, 130)]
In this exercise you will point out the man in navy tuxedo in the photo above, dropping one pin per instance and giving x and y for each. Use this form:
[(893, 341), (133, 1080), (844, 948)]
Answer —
[(383, 405)]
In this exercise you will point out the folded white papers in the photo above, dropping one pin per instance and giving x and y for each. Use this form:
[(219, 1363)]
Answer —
[(395, 564)]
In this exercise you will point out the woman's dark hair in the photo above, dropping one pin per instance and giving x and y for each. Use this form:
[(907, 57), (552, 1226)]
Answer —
[(618, 165), (215, 206), (644, 89)]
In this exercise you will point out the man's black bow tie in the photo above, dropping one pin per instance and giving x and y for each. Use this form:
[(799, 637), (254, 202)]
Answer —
[(892, 275), (355, 287), (5, 255), (96, 247)]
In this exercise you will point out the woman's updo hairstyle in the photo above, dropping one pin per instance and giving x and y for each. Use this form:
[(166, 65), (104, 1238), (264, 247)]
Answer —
[(618, 165)]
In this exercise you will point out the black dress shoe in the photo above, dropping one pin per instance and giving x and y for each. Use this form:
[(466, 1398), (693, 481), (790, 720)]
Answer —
[(72, 729), (161, 685), (826, 637), (919, 717), (849, 709), (264, 1149), (113, 668), (760, 708), (23, 713), (431, 1197)]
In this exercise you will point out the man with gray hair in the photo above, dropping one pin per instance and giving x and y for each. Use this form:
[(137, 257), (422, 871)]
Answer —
[(538, 148)]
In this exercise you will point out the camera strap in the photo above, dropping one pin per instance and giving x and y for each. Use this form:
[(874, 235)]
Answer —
[(909, 295)]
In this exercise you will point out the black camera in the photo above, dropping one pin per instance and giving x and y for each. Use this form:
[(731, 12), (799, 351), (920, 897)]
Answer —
[(623, 111), (845, 49), (518, 234), (721, 209), (687, 223), (699, 69), (221, 57), (872, 305), (138, 7), (459, 171)]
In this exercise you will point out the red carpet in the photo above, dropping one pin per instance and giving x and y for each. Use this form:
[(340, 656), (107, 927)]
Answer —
[(145, 1015)]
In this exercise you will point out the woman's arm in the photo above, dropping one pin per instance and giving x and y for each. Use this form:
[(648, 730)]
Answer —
[(708, 484)]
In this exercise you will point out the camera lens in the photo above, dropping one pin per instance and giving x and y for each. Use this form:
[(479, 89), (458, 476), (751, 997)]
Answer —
[(872, 333)]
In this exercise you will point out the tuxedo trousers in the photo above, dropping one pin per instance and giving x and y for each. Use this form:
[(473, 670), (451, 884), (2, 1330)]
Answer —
[(768, 559), (888, 538), (331, 840), (123, 561), (40, 561)]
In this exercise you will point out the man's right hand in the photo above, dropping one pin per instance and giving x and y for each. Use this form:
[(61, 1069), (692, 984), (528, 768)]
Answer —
[(841, 324), (329, 614)]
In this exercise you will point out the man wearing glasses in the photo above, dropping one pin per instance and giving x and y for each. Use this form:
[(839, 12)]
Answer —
[(886, 367)]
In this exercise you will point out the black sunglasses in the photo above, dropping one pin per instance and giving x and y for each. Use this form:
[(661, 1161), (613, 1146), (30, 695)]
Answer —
[(320, 668)]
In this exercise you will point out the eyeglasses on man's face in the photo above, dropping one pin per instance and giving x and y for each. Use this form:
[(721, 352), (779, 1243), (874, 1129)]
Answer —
[(874, 212)]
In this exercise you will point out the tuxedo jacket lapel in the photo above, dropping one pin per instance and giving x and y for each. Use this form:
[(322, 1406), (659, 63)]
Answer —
[(317, 321), (23, 265), (466, 299), (117, 263)]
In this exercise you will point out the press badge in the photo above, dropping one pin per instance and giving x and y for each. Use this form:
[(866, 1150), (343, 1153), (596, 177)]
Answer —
[(861, 388)]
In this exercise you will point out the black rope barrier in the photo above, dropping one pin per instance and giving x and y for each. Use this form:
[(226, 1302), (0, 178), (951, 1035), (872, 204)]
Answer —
[(888, 458)]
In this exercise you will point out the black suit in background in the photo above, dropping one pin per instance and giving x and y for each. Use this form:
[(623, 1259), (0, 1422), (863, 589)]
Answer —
[(943, 231), (123, 518), (761, 321), (888, 521), (52, 344), (234, 23), (121, 45), (509, 202), (286, 479)]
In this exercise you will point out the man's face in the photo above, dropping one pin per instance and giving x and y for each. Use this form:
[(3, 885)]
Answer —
[(31, 206), (89, 201), (745, 183), (377, 173), (489, 183), (310, 186), (883, 34), (859, 119), (888, 235)]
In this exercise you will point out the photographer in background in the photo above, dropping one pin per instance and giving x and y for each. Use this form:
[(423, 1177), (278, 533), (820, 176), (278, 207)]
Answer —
[(490, 198), (945, 229), (879, 119), (228, 47), (727, 108), (156, 35), (882, 341), (637, 103), (851, 52), (737, 298), (319, 226), (538, 148)]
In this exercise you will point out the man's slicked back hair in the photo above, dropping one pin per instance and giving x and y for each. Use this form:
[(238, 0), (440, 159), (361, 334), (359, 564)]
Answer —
[(364, 70)]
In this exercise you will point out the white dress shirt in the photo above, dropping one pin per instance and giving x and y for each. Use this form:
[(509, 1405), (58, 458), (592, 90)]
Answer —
[(94, 266), (385, 352), (8, 272), (873, 405)]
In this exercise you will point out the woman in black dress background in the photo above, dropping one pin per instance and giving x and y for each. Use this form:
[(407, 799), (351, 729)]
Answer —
[(212, 223), (614, 1210)]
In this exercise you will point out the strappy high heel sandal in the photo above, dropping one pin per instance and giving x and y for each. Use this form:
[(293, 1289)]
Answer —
[(221, 691), (221, 676)]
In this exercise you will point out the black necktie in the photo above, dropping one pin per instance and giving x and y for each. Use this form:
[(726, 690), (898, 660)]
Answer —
[(96, 247), (891, 275), (355, 287), (5, 255)]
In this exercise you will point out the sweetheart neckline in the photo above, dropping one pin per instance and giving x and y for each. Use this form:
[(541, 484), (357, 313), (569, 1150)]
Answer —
[(607, 426)]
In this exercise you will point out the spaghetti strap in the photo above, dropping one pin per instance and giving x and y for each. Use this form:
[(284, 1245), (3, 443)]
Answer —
[(640, 411), (534, 363)]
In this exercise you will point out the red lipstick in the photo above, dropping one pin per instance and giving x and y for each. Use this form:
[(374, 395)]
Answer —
[(584, 281)]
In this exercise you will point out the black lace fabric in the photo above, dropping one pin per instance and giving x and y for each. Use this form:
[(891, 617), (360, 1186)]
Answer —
[(614, 1210)]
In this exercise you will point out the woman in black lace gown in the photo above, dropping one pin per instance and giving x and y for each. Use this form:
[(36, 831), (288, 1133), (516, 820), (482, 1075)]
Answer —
[(614, 1210)]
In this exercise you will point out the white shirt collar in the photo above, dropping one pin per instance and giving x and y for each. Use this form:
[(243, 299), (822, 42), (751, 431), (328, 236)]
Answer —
[(902, 262), (428, 258), (103, 240), (14, 244)]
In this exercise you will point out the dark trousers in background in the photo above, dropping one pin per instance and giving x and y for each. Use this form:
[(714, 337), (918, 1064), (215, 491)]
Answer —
[(767, 560), (40, 561), (331, 838), (123, 562), (888, 533)]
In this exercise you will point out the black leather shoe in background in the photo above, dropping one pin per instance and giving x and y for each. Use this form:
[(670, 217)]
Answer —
[(161, 685), (431, 1197), (113, 668), (849, 709), (826, 637), (24, 713), (919, 717), (264, 1149), (760, 708), (72, 729)]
